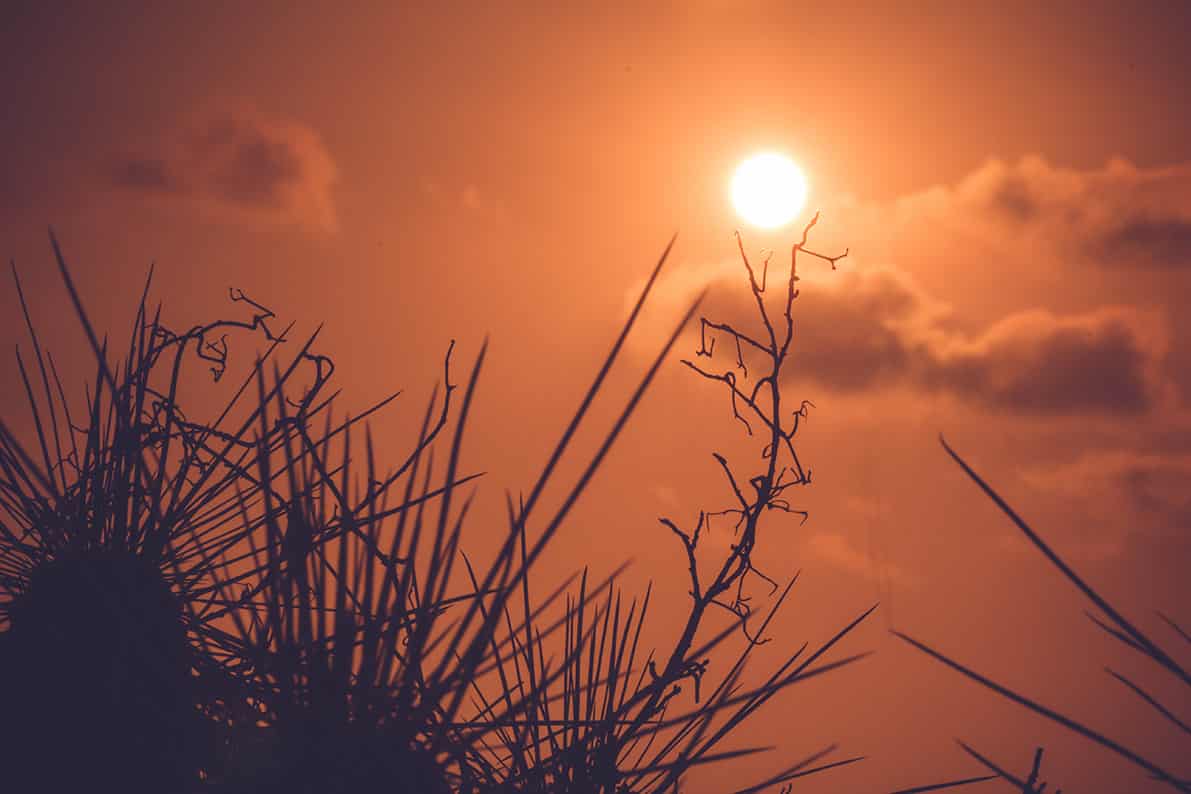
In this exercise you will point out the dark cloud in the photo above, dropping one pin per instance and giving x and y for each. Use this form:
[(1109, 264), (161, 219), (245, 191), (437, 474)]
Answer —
[(1120, 215), (1162, 242), (1012, 197), (862, 330), (1158, 490), (1045, 365), (242, 162), (860, 335), (147, 174)]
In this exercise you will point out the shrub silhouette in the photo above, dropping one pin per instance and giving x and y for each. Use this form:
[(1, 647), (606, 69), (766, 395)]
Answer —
[(600, 720), (106, 555), (97, 660), (247, 604)]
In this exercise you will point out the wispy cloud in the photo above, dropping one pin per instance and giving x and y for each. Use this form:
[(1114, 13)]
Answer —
[(1118, 215), (835, 549), (239, 162), (1135, 491)]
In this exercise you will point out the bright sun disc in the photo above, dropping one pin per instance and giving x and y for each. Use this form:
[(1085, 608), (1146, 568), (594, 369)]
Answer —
[(768, 190)]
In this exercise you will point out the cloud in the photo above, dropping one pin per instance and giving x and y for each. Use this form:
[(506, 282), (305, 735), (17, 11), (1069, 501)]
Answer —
[(1161, 241), (1106, 251), (1116, 216), (148, 174), (1132, 491), (239, 162), (834, 548), (862, 330), (865, 329), (467, 198), (1104, 362)]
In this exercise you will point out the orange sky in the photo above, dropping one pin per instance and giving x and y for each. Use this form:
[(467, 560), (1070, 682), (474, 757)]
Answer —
[(1014, 184)]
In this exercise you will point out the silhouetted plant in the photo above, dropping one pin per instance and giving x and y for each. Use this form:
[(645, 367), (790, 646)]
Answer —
[(328, 644), (348, 675), (607, 726), (764, 492), (1114, 623), (107, 549), (235, 605)]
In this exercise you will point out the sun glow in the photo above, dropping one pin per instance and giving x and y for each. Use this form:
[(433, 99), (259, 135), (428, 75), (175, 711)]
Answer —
[(768, 190)]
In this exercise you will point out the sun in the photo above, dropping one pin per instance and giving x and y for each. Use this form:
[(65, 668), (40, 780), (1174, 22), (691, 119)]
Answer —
[(768, 190)]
